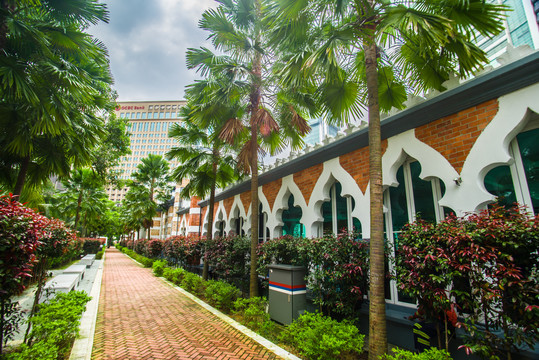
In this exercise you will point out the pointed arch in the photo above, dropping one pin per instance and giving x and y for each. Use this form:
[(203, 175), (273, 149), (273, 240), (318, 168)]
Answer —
[(288, 187), (334, 172), (491, 149)]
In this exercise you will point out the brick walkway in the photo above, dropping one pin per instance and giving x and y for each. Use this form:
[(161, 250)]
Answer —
[(141, 317)]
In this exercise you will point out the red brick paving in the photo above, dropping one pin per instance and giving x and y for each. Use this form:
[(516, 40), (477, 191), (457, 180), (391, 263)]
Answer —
[(141, 317)]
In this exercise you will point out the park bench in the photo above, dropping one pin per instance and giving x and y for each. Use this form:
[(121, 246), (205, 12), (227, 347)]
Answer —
[(60, 283), (76, 269), (87, 260)]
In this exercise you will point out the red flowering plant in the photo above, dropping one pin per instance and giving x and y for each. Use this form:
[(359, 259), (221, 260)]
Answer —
[(20, 231), (502, 255), (338, 275), (483, 267), (153, 248), (55, 241), (423, 266), (228, 259), (183, 251)]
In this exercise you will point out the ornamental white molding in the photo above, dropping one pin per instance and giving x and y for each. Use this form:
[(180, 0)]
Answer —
[(491, 149)]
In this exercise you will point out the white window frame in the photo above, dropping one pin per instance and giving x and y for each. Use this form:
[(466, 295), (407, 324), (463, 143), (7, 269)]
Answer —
[(333, 201)]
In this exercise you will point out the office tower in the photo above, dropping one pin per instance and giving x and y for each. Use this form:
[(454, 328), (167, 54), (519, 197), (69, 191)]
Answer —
[(319, 130), (521, 28)]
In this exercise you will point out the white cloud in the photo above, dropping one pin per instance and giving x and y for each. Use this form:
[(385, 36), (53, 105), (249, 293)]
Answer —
[(147, 41)]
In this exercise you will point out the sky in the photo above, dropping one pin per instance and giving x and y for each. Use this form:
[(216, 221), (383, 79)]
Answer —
[(147, 41)]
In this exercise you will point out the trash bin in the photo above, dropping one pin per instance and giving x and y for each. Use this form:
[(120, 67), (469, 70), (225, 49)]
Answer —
[(287, 292)]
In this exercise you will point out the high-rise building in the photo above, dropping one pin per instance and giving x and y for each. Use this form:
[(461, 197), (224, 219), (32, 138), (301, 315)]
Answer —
[(521, 28), (319, 130), (148, 125)]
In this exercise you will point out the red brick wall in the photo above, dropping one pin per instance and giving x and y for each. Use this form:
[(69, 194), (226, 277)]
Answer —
[(228, 205), (246, 200), (356, 163), (453, 136), (271, 190), (306, 180)]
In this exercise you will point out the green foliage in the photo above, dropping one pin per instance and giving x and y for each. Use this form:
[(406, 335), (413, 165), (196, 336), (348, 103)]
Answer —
[(39, 351), (221, 295), (430, 354), (174, 275), (193, 283), (254, 314), (100, 254), (91, 246), (319, 337), (54, 327), (158, 267)]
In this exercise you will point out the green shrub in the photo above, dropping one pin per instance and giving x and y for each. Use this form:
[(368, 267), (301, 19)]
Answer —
[(319, 337), (159, 267), (100, 254), (42, 350), (174, 275), (192, 283), (221, 294), (430, 354), (147, 263), (254, 314), (54, 327)]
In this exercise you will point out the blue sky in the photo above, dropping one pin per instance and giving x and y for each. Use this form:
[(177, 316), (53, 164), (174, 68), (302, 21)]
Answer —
[(147, 41)]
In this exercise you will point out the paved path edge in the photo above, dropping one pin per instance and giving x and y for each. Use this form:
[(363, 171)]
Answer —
[(279, 351), (82, 347)]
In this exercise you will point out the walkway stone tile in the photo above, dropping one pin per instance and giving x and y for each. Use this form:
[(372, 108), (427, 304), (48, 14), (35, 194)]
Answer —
[(141, 317)]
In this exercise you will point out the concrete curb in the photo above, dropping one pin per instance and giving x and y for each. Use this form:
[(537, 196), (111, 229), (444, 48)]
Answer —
[(82, 348), (279, 351)]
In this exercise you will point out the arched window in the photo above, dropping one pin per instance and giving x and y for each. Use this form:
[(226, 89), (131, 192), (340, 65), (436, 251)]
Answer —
[(518, 182), (291, 219), (413, 198), (263, 231), (237, 224), (337, 212)]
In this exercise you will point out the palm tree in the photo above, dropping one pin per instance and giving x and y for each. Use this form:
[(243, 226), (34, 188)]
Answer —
[(370, 53), (55, 82), (205, 161), (83, 192), (269, 117), (151, 184)]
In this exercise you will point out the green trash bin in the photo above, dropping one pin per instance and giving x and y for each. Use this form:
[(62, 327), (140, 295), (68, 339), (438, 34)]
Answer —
[(287, 292)]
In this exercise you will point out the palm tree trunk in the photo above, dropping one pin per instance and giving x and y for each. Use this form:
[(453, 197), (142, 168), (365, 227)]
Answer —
[(77, 216), (255, 104), (209, 234), (377, 306), (22, 176)]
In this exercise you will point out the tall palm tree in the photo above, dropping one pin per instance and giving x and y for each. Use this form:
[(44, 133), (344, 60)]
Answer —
[(269, 118), (205, 160), (151, 183), (368, 53)]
